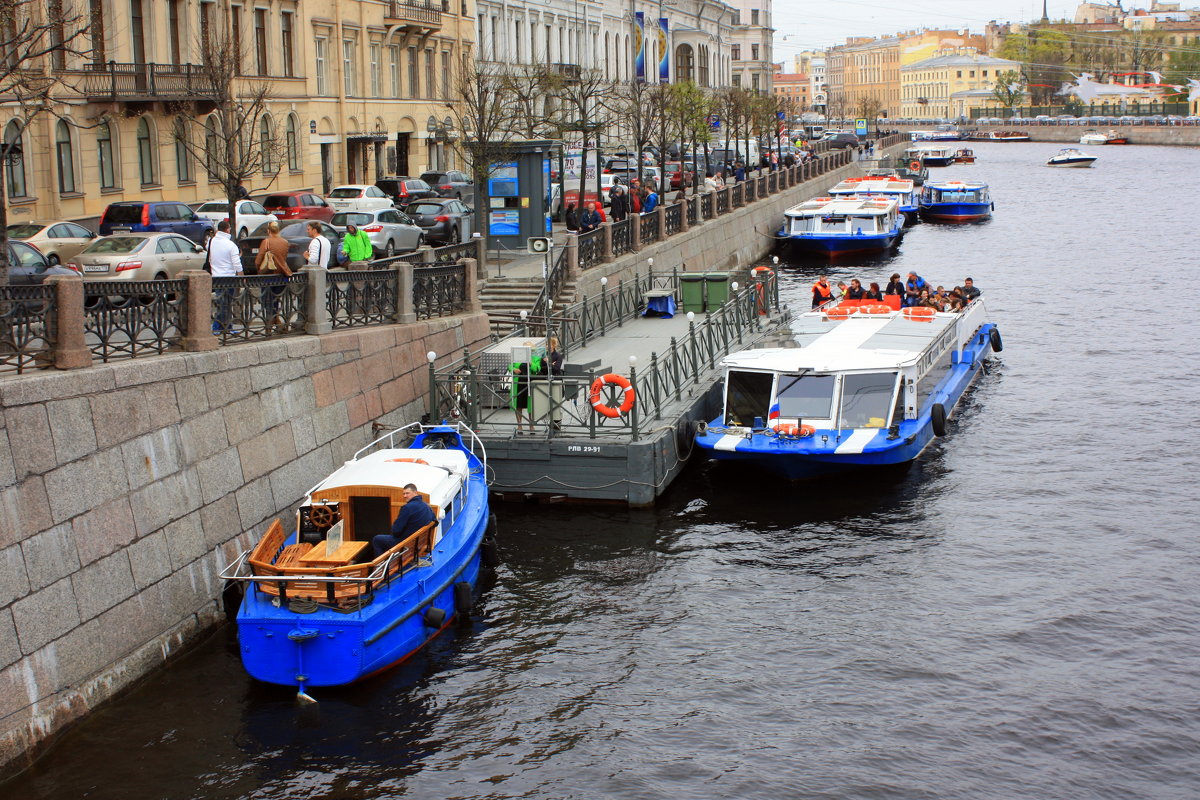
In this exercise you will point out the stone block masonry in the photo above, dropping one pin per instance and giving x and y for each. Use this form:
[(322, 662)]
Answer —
[(126, 488)]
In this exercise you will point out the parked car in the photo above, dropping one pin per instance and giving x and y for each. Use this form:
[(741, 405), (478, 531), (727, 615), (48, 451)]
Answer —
[(27, 265), (358, 197), (137, 257), (58, 241), (165, 217), (250, 214), (296, 233), (446, 220), (450, 183), (840, 141), (675, 170), (298, 205), (404, 190), (390, 231)]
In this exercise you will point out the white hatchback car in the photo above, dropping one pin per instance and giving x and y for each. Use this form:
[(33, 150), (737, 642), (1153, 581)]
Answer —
[(358, 197), (250, 214)]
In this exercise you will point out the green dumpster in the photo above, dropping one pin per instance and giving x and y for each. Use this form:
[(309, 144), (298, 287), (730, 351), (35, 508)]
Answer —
[(717, 285), (691, 290)]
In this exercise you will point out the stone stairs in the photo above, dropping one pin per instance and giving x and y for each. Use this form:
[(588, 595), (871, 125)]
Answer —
[(511, 296)]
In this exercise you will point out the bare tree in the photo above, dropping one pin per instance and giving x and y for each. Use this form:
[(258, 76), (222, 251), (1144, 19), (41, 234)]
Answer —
[(485, 115), (637, 106), (528, 88), (690, 108), (236, 141), (36, 41)]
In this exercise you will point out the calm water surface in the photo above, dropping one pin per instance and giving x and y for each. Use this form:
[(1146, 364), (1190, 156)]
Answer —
[(1014, 616)]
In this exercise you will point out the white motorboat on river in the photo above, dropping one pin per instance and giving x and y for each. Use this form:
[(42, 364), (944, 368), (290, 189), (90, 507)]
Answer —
[(1070, 157)]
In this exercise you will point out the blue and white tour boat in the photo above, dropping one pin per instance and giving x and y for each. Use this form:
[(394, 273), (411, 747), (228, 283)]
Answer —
[(835, 226), (881, 185), (955, 201), (868, 386), (318, 609), (933, 155)]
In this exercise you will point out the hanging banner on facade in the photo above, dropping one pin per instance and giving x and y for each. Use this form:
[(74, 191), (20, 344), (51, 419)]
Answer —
[(639, 46), (664, 53)]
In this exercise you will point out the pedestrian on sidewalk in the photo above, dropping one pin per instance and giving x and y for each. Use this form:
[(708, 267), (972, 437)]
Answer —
[(618, 203), (357, 247), (572, 218), (590, 220)]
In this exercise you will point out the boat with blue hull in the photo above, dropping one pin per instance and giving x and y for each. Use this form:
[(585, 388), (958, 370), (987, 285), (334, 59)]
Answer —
[(833, 227), (319, 609), (955, 201), (900, 189), (868, 386)]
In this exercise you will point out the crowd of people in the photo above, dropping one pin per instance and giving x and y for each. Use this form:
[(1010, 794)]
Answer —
[(914, 292)]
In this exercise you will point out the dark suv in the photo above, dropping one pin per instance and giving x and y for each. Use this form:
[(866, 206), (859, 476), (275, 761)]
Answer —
[(404, 190), (842, 140), (450, 183), (164, 217)]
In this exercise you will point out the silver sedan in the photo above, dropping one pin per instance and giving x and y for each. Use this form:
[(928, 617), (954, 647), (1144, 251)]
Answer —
[(137, 257), (390, 231)]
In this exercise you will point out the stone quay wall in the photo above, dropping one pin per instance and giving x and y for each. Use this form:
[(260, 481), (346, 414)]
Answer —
[(126, 488), (1185, 135)]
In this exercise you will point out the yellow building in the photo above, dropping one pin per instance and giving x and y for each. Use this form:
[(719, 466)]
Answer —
[(358, 89), (949, 85)]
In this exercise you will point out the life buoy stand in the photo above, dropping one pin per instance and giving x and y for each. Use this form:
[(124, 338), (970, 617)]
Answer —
[(915, 166), (410, 460), (798, 432), (612, 379)]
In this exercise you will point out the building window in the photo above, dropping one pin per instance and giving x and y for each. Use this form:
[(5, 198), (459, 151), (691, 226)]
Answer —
[(236, 29), (65, 157), (212, 149), (414, 89), (972, 74), (736, 52), (293, 144), (376, 51), (517, 39), (754, 81), (104, 153), (754, 52), (183, 159), (321, 58), (447, 77), (96, 16), (145, 153), (14, 167), (174, 51), (754, 16), (348, 67), (737, 81), (702, 71), (260, 40), (287, 52), (266, 144), (495, 44), (394, 69), (430, 76), (960, 73)]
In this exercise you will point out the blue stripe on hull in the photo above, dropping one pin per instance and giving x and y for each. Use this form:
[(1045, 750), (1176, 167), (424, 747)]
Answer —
[(957, 212), (836, 246)]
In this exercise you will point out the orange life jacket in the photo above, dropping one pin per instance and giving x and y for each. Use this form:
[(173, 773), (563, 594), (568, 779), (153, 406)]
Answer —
[(825, 291)]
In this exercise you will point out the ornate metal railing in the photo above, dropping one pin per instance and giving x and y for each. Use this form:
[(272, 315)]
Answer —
[(706, 205), (723, 200), (439, 291), (621, 236), (689, 206), (126, 320), (556, 281), (674, 219), (649, 228), (773, 182), (258, 307), (453, 253), (362, 297), (416, 258), (419, 11), (738, 195), (590, 248), (26, 327), (750, 190), (115, 81)]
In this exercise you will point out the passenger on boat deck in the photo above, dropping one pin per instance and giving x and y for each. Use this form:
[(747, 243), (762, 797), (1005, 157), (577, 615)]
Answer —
[(855, 292), (956, 304), (926, 300), (414, 515), (912, 289), (969, 291), (895, 286), (841, 289), (873, 293), (822, 292)]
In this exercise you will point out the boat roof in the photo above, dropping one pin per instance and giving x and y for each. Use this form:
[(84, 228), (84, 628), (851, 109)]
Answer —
[(864, 342), (860, 206), (440, 477), (957, 186), (873, 183)]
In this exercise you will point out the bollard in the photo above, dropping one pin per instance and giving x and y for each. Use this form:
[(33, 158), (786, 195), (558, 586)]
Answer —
[(315, 311), (197, 311), (70, 348), (473, 302), (606, 245)]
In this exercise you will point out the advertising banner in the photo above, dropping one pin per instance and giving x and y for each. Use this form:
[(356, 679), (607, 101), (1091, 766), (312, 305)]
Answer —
[(639, 46), (664, 52), (572, 168)]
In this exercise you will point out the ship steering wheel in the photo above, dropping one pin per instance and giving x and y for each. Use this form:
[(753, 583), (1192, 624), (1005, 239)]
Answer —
[(321, 516)]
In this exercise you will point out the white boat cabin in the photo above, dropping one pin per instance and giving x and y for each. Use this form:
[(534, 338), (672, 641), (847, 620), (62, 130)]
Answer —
[(889, 185), (956, 192), (850, 216)]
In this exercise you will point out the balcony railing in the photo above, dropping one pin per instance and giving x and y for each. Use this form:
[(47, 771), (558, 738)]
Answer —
[(570, 72), (427, 13), (115, 82)]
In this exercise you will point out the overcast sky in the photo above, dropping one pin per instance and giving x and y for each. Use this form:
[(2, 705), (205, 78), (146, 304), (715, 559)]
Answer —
[(817, 24)]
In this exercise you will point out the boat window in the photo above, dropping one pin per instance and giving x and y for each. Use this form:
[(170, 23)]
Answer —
[(802, 224), (747, 395), (863, 224), (867, 399), (806, 396), (834, 223)]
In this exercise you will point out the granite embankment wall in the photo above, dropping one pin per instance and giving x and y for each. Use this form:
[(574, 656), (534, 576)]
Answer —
[(1188, 136), (126, 488)]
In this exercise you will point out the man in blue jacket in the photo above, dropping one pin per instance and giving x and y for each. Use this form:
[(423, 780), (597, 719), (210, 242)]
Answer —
[(912, 289), (414, 515)]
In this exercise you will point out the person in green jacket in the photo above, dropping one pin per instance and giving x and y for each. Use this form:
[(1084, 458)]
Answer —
[(357, 247)]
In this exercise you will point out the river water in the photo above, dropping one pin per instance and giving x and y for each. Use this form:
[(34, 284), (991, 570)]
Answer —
[(1013, 616)]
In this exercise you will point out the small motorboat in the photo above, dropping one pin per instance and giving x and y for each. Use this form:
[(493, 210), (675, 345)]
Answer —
[(869, 385), (1070, 157), (320, 610), (955, 201), (964, 156), (933, 155), (1093, 137), (887, 185), (1007, 136), (1112, 137), (838, 226)]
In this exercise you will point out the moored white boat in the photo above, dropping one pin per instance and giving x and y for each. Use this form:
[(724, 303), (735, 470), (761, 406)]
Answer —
[(1070, 157), (868, 387), (934, 155), (1007, 136), (1093, 137), (955, 201), (900, 189), (834, 226)]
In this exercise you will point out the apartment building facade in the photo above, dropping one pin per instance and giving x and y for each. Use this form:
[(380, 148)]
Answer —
[(950, 85), (355, 90), (753, 60)]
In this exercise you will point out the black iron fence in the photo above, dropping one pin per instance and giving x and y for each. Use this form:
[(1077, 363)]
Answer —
[(649, 228), (674, 219), (26, 328), (689, 206), (556, 281), (453, 253), (135, 318), (115, 81), (364, 297), (256, 307), (723, 200), (621, 237), (706, 205), (591, 248)]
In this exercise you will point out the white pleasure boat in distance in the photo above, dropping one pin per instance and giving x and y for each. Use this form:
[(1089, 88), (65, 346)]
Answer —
[(1070, 157)]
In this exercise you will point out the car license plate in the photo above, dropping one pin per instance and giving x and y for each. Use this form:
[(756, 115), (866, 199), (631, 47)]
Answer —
[(253, 251), (95, 267), (122, 230)]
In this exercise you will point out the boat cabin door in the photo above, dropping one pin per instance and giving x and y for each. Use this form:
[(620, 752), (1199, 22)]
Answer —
[(747, 398)]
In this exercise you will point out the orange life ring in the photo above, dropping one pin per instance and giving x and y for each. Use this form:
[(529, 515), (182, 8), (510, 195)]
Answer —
[(840, 312), (764, 271), (919, 313), (612, 379), (915, 166), (792, 430), (410, 460), (874, 308)]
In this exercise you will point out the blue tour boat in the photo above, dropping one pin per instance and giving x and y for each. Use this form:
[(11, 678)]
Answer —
[(319, 610), (868, 386), (932, 155), (955, 201), (893, 186), (841, 226)]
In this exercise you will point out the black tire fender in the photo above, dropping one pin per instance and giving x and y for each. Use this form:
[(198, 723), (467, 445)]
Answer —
[(490, 553), (434, 617), (937, 416), (464, 598), (997, 343)]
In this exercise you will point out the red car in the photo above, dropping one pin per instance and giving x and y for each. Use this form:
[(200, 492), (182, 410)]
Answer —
[(291, 205)]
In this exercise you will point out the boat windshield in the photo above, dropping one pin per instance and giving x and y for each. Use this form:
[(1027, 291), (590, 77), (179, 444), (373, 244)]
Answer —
[(805, 396), (951, 196), (867, 399), (747, 395), (863, 224)]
